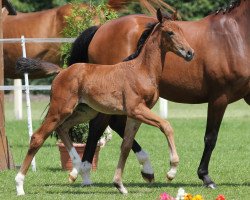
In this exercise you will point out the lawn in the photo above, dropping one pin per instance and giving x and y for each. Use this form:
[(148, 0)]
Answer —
[(229, 166)]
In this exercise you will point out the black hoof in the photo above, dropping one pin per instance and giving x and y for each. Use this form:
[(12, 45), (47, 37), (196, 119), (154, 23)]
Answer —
[(150, 178)]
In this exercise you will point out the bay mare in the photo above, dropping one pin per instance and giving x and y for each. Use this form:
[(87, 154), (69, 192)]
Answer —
[(131, 89), (219, 74)]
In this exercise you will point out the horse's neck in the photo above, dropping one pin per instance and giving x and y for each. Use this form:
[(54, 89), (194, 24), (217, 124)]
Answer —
[(152, 56)]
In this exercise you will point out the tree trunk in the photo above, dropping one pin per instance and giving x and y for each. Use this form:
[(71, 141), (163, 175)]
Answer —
[(6, 160)]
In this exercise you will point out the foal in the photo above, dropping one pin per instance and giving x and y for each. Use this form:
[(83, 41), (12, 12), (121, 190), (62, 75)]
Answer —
[(132, 90)]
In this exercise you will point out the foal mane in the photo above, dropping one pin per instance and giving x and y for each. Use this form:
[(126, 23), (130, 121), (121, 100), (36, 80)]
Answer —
[(142, 40), (229, 7), (144, 36)]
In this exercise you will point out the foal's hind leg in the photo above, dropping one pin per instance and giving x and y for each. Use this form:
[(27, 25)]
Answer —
[(131, 128), (56, 115), (118, 123)]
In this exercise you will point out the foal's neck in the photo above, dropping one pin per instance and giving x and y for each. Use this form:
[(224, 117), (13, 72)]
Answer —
[(152, 56)]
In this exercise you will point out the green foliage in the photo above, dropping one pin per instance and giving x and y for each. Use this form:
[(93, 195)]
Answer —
[(79, 133), (82, 18), (196, 9)]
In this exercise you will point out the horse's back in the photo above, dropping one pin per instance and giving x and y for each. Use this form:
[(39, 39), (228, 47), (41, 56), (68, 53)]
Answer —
[(117, 38)]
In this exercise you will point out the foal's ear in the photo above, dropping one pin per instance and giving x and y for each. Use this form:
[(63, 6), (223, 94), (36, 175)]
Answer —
[(159, 15), (175, 15)]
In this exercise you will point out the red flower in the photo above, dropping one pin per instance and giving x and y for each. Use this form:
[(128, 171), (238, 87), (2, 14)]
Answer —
[(220, 197)]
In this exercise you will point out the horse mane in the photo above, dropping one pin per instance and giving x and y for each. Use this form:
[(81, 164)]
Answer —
[(144, 36), (142, 40), (229, 7)]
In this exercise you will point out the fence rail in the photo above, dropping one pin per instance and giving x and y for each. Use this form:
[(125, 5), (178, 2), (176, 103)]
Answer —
[(38, 40), (22, 87)]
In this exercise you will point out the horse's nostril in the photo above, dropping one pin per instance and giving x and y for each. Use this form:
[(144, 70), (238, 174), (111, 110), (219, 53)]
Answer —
[(189, 55)]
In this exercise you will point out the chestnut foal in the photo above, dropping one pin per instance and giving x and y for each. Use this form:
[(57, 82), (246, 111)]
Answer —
[(132, 90)]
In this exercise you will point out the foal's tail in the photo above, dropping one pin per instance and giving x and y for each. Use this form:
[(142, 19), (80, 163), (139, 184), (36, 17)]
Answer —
[(79, 49), (35, 67)]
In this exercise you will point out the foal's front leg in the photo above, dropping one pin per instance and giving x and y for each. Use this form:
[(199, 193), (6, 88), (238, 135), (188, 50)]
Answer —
[(144, 114)]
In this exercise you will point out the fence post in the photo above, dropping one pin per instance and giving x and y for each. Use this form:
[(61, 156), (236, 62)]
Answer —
[(18, 100), (6, 160), (27, 91), (163, 108)]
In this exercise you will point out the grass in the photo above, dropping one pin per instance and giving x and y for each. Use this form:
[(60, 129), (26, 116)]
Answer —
[(229, 166)]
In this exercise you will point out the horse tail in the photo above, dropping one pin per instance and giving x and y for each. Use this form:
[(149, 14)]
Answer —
[(36, 67), (79, 49)]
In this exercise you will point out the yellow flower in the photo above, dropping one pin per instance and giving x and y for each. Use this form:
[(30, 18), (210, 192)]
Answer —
[(197, 197), (188, 196)]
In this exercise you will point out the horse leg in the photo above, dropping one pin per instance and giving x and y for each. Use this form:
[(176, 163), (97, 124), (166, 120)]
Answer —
[(130, 130), (118, 123), (216, 110), (96, 128), (247, 99), (144, 114), (57, 113), (82, 113), (76, 118)]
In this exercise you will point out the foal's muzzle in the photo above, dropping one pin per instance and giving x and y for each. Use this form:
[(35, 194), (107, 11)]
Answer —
[(186, 54)]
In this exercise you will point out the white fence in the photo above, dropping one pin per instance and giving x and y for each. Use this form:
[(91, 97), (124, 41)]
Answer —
[(18, 87)]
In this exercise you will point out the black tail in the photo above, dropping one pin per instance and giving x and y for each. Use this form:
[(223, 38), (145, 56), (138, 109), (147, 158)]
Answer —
[(79, 50), (36, 67)]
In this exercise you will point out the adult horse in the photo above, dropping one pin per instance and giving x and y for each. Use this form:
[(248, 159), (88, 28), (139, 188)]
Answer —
[(42, 24), (132, 90), (219, 74)]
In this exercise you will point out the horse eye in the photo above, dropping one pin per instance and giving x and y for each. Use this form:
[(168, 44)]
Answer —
[(170, 33)]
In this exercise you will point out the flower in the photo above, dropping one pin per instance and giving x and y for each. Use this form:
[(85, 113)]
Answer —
[(181, 194), (220, 197), (188, 196), (197, 197), (165, 196)]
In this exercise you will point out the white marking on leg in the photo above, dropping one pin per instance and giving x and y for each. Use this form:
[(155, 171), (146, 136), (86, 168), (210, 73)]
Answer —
[(76, 161), (172, 173), (86, 167), (174, 161), (19, 183), (143, 159)]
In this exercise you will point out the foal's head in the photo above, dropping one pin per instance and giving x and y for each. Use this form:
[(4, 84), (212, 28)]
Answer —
[(172, 38)]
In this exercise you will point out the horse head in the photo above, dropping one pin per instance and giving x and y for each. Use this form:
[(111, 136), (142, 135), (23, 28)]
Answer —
[(173, 38)]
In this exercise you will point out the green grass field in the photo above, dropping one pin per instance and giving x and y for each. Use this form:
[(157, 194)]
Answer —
[(229, 166)]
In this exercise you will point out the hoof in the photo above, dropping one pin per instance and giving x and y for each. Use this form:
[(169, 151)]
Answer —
[(169, 178), (211, 185), (72, 179), (149, 178), (121, 188)]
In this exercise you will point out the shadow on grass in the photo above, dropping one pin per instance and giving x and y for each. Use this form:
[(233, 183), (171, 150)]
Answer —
[(144, 185)]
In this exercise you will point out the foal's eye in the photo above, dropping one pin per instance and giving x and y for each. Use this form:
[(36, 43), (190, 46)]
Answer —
[(170, 33)]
